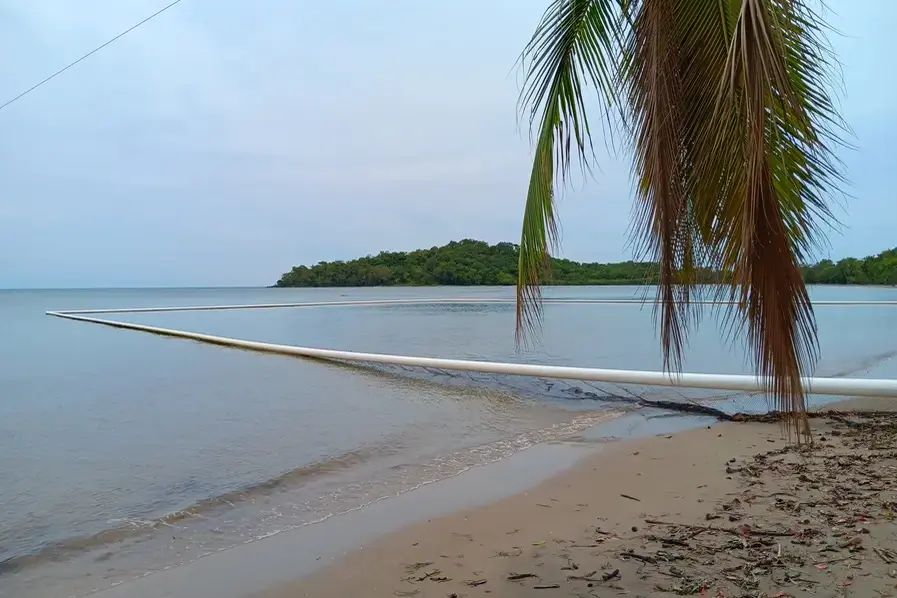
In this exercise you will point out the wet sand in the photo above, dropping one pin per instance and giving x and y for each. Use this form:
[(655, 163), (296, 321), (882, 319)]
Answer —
[(722, 511)]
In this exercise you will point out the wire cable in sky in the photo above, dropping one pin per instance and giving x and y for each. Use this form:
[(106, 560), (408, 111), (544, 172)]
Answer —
[(91, 53)]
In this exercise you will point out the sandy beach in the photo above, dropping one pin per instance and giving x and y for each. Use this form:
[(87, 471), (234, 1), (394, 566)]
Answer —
[(725, 511)]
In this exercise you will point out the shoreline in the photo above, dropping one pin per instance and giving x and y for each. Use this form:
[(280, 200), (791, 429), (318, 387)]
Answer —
[(95, 569), (475, 550), (636, 466), (282, 557), (724, 511)]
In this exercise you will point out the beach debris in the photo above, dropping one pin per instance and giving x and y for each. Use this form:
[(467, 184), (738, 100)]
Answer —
[(742, 530), (413, 568), (822, 499), (592, 577), (570, 566), (431, 575), (686, 588), (852, 543), (794, 522), (667, 541), (641, 557)]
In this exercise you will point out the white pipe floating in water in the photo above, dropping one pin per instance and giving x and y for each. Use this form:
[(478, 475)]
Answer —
[(456, 301), (829, 386)]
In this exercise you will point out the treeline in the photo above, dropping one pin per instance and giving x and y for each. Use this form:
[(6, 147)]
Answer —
[(875, 269), (466, 262), (470, 262)]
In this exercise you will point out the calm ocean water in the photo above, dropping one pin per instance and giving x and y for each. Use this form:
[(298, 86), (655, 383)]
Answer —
[(122, 453)]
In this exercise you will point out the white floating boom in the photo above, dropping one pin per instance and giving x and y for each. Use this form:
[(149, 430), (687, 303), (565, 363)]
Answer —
[(856, 387)]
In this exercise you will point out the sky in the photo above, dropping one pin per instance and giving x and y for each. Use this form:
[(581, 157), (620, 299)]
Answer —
[(226, 141)]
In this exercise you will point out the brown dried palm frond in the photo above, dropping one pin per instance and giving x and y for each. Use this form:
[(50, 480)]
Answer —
[(728, 110)]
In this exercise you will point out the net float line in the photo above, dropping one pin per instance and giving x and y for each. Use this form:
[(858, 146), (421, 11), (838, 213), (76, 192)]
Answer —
[(858, 387)]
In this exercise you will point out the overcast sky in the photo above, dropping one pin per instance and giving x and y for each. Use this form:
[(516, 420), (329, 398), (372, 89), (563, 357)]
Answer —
[(226, 141)]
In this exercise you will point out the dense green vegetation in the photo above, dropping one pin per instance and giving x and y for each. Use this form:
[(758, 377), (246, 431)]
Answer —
[(470, 262), (466, 262), (875, 269)]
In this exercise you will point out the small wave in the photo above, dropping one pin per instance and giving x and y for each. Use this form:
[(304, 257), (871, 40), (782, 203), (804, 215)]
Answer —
[(135, 528), (125, 528), (456, 463), (367, 493), (113, 565), (609, 401)]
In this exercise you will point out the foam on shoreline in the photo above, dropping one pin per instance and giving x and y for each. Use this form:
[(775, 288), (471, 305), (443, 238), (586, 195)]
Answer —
[(287, 555)]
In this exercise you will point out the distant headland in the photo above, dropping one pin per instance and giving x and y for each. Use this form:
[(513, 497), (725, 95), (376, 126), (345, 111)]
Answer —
[(471, 263)]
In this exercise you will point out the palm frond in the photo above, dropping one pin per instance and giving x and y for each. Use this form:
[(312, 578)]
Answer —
[(765, 174), (573, 47), (662, 225), (732, 125)]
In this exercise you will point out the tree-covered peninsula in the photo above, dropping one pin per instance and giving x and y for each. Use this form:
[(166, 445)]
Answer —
[(874, 269), (466, 262), (471, 262)]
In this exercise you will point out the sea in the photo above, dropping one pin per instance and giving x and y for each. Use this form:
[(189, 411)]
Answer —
[(124, 453)]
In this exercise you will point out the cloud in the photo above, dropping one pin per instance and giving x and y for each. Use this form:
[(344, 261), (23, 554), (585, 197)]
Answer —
[(223, 142)]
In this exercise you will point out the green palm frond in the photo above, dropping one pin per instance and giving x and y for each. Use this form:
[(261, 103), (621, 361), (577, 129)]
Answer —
[(573, 47), (727, 106)]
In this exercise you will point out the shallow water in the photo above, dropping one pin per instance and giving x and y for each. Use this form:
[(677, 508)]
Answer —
[(125, 453)]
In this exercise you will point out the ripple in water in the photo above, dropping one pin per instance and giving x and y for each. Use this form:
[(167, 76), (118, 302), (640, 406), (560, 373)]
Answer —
[(308, 495)]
